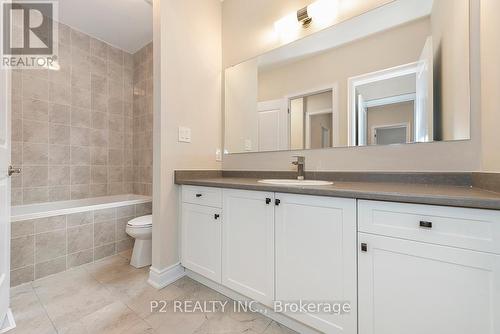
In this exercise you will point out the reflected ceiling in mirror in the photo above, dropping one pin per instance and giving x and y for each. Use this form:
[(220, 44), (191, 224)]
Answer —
[(394, 75)]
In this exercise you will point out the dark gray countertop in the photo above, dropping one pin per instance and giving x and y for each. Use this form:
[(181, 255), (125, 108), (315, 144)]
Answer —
[(447, 195)]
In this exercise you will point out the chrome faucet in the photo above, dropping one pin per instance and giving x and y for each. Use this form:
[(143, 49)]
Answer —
[(301, 166)]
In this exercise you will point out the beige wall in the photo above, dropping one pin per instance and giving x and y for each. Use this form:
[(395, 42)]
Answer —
[(391, 114), (243, 25), (384, 50), (490, 49), (187, 77), (450, 43), (248, 26), (241, 115)]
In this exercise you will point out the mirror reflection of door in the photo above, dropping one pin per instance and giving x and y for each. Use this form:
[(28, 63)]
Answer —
[(312, 120), (269, 125), (389, 98)]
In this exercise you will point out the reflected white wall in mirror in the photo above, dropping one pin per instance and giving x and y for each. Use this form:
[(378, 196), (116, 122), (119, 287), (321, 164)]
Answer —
[(397, 74)]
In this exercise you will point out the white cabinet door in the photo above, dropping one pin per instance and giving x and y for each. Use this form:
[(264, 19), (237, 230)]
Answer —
[(201, 240), (413, 288), (316, 257), (248, 244)]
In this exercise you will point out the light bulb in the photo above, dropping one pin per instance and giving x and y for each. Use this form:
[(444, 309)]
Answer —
[(287, 27), (323, 12)]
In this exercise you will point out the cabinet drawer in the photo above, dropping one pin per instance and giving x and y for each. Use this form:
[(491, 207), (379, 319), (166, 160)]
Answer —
[(456, 227), (202, 196)]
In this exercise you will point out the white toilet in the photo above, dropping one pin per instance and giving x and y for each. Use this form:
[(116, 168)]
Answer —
[(141, 229)]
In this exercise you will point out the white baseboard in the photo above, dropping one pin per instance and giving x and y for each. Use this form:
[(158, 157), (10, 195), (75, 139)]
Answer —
[(278, 317), (162, 278), (9, 322)]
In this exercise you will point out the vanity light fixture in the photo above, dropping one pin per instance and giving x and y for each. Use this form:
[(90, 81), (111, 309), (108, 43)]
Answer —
[(321, 13)]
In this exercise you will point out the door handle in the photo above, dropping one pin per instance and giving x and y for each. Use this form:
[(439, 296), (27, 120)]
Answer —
[(268, 200), (425, 224), (216, 216), (13, 171)]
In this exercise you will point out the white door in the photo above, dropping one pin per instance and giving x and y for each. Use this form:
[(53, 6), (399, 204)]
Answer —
[(272, 132), (269, 124), (201, 240), (316, 257), (4, 193), (248, 244), (362, 122), (424, 102), (413, 288)]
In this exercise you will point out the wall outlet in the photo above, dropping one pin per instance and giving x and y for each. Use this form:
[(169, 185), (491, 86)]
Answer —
[(218, 155), (248, 145), (184, 134)]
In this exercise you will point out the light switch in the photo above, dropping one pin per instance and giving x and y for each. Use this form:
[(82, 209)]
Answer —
[(184, 134), (218, 155)]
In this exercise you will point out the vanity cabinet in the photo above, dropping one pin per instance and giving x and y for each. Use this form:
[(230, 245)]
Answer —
[(248, 244), (201, 228), (315, 257), (427, 269), (402, 268)]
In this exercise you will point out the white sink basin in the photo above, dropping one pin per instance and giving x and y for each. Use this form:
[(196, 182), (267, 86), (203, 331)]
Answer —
[(287, 182)]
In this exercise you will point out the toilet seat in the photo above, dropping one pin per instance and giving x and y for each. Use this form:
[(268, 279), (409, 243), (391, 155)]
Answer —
[(141, 222)]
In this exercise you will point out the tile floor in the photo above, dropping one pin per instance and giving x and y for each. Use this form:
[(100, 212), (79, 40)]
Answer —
[(110, 296)]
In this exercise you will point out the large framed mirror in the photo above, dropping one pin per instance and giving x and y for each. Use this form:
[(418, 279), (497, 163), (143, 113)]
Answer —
[(397, 74)]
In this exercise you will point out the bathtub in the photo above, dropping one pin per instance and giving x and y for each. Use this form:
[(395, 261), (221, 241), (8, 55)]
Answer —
[(49, 238)]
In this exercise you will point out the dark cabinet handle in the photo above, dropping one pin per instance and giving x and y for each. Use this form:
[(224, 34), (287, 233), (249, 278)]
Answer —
[(425, 224), (216, 216), (198, 195), (268, 201), (364, 247), (277, 202)]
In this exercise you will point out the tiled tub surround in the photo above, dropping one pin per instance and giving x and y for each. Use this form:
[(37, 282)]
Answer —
[(72, 128), (68, 234), (143, 120)]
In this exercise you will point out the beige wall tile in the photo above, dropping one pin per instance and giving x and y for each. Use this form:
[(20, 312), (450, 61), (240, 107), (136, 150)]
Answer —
[(51, 267), (97, 190), (80, 175), (50, 245), (80, 117), (80, 78), (50, 224), (105, 215), (80, 136), (35, 110), (99, 155), (104, 233), (61, 193), (35, 132), (80, 238), (59, 94), (80, 97), (98, 48), (125, 211), (59, 175), (80, 191), (104, 251), (22, 228), (35, 176), (35, 195), (81, 218), (59, 114), (99, 84), (59, 155), (22, 275), (59, 134), (80, 40), (80, 258), (22, 252), (35, 88), (80, 155), (99, 174), (124, 245)]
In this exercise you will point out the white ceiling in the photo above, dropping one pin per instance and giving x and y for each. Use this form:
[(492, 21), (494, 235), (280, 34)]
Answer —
[(126, 24)]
